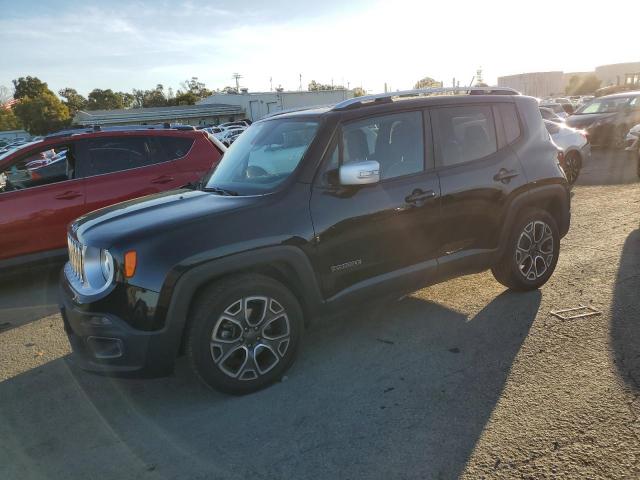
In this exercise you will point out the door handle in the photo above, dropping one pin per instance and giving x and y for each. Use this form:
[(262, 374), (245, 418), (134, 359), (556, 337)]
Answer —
[(162, 179), (68, 195), (419, 197), (505, 175)]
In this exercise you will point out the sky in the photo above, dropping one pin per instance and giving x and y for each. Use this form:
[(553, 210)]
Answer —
[(123, 45)]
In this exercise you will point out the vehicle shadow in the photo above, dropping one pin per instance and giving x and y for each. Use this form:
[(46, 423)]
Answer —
[(404, 390), (28, 296), (625, 313), (608, 167)]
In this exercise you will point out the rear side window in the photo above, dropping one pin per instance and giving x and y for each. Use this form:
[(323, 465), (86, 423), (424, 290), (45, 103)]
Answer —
[(510, 121), (175, 147), (464, 133), (115, 154)]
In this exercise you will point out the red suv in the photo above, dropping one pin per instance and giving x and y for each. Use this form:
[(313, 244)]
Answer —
[(44, 185)]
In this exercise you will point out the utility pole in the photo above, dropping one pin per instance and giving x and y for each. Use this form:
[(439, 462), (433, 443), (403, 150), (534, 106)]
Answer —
[(271, 84), (237, 77), (300, 82)]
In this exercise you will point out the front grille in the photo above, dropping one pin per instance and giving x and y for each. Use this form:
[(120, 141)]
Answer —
[(76, 258)]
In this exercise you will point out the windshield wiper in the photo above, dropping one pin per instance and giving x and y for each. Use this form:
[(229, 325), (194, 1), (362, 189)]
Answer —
[(220, 191), (193, 185)]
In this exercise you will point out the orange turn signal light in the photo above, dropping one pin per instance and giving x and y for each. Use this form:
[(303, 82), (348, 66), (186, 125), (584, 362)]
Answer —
[(130, 262)]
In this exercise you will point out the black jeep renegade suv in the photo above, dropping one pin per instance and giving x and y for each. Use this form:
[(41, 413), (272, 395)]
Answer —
[(307, 212)]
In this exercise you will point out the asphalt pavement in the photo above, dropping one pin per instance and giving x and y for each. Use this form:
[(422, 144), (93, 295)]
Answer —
[(462, 379)]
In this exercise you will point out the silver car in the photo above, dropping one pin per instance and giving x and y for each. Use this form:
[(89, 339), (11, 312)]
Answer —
[(575, 146)]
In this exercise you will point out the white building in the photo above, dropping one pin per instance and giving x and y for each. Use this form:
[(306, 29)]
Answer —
[(259, 105), (535, 84), (618, 73)]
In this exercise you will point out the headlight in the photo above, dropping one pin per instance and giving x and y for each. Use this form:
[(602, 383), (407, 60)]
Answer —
[(106, 264)]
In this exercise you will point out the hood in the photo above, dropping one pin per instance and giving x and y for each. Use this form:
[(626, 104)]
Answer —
[(146, 215), (581, 121)]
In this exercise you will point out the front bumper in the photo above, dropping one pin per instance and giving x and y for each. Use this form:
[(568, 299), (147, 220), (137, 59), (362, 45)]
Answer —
[(103, 342)]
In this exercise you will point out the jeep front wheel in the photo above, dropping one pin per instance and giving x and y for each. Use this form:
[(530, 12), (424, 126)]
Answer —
[(531, 253), (244, 333)]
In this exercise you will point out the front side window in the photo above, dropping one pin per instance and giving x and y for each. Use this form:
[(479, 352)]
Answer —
[(394, 141), (263, 157), (114, 154), (464, 133), (43, 167)]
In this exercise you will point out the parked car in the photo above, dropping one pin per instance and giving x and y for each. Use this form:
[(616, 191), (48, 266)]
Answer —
[(46, 184), (229, 135), (608, 119), (574, 145), (309, 212), (556, 108), (633, 145), (549, 114)]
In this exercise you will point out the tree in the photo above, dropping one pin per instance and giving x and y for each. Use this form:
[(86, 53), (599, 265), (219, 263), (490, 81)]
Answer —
[(427, 82), (8, 120), (108, 100), (582, 85), (42, 114), (358, 92), (481, 84), (317, 87), (31, 87), (5, 95), (73, 100), (186, 98), (195, 87)]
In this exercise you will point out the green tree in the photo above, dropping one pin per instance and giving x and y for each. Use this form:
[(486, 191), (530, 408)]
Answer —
[(195, 87), (358, 92), (42, 114), (582, 85), (427, 82), (31, 87), (186, 98), (8, 120), (73, 100), (317, 87), (108, 100)]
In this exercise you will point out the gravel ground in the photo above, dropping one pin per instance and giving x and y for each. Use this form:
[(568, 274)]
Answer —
[(463, 379)]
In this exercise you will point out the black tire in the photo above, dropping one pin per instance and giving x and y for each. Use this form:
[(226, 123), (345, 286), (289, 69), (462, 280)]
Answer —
[(509, 270), (573, 164), (237, 337)]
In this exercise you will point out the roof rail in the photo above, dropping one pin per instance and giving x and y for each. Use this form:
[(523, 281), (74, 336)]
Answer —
[(118, 128), (292, 110), (418, 92)]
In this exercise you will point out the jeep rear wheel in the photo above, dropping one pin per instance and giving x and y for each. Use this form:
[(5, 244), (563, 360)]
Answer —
[(531, 253), (244, 333)]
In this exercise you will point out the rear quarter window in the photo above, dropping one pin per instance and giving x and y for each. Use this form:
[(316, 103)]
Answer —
[(510, 121), (175, 147)]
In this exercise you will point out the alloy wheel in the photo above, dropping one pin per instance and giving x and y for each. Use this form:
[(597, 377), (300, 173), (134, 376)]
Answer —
[(572, 168), (534, 250), (250, 337)]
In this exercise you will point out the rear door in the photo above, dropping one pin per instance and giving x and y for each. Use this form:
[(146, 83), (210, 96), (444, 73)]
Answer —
[(479, 173), (39, 196), (119, 168)]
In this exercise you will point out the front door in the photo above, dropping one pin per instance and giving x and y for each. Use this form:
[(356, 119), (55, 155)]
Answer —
[(374, 234), (39, 196)]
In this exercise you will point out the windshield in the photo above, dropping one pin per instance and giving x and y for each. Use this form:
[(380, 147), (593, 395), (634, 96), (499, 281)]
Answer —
[(606, 105), (263, 157)]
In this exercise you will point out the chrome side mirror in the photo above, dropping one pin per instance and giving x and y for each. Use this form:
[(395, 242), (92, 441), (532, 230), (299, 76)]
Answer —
[(360, 173)]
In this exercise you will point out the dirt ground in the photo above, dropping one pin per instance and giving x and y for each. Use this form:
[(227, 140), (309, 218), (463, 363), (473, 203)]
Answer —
[(463, 379)]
